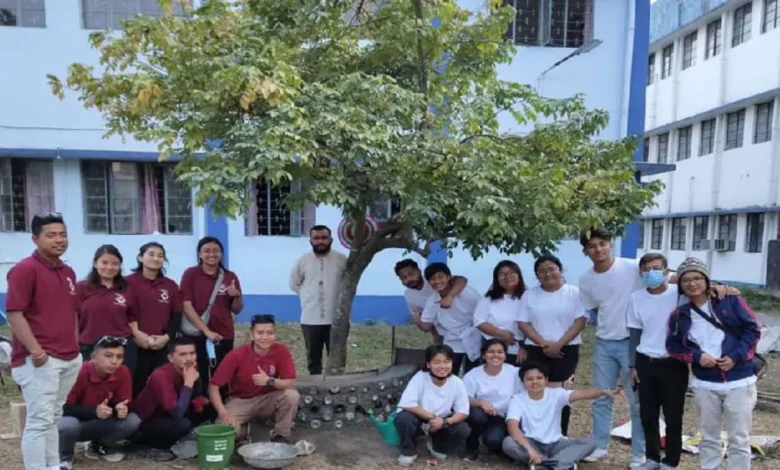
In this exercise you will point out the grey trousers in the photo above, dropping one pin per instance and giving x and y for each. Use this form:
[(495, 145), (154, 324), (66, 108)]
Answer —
[(729, 410), (561, 455), (107, 431)]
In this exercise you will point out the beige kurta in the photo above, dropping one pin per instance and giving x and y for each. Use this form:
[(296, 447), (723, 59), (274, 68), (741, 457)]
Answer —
[(317, 280)]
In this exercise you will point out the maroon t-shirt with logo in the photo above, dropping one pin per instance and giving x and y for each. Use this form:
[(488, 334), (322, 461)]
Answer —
[(196, 287), (45, 293), (240, 364), (155, 301), (161, 393), (90, 389), (103, 311)]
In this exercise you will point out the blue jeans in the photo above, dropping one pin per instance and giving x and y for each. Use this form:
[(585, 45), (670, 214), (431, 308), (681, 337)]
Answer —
[(610, 360)]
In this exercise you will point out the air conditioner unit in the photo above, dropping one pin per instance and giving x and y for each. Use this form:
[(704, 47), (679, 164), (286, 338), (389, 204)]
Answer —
[(705, 245), (721, 244)]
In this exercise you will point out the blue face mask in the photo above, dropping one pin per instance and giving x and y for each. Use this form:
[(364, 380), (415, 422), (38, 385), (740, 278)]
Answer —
[(653, 278)]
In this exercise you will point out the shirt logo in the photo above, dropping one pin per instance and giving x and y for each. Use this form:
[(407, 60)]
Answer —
[(71, 286), (272, 371), (120, 300), (164, 296), (222, 289)]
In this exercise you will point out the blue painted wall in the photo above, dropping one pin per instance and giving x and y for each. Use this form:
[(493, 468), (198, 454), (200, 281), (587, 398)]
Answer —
[(670, 15)]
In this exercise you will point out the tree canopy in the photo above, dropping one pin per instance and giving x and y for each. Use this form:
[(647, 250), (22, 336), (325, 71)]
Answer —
[(364, 101)]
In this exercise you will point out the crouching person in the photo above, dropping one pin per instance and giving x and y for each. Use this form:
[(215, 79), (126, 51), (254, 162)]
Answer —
[(96, 409), (435, 402), (261, 375), (534, 423), (172, 402)]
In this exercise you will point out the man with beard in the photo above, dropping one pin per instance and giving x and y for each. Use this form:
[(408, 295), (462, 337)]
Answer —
[(316, 278), (418, 290)]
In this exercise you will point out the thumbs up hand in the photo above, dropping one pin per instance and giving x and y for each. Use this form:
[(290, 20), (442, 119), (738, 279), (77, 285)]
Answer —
[(232, 290), (121, 409), (261, 378), (103, 410)]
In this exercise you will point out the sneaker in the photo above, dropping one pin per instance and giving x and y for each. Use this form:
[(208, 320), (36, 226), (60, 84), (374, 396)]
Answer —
[(406, 460), (667, 467), (158, 455), (596, 455), (435, 454), (97, 451), (66, 461), (650, 465), (639, 462)]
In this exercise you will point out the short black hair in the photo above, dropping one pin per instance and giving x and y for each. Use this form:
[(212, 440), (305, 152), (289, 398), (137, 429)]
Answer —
[(41, 220), (434, 349), (405, 263), (179, 341), (319, 227), (545, 258), (529, 366), (486, 345), (263, 319), (435, 268), (599, 232), (649, 257)]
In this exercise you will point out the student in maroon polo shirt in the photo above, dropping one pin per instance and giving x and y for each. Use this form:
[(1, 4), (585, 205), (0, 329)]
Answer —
[(172, 402), (97, 408), (261, 378), (45, 360), (197, 284), (106, 306), (158, 304)]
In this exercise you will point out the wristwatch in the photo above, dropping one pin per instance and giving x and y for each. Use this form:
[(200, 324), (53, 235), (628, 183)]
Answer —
[(271, 383)]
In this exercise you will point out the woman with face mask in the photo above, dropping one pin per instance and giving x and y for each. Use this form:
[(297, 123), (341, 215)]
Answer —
[(434, 402), (551, 317)]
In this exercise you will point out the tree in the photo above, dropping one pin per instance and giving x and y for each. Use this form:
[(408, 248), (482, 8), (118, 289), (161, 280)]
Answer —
[(364, 103)]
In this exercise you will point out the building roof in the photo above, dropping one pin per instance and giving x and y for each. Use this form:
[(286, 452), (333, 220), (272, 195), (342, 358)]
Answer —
[(667, 16)]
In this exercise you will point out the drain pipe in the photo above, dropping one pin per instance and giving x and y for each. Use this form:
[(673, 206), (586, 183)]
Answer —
[(630, 22)]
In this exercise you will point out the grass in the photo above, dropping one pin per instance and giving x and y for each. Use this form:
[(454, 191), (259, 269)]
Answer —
[(761, 300)]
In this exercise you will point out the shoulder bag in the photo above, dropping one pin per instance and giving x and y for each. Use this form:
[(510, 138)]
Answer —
[(186, 325)]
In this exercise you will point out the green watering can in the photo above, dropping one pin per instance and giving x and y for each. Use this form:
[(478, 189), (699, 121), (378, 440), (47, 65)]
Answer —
[(386, 428)]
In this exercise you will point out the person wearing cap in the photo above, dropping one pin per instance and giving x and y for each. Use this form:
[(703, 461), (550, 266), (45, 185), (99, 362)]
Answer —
[(45, 359), (97, 408), (718, 338)]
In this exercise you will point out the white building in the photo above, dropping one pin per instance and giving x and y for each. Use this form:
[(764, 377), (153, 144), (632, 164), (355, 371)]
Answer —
[(713, 109), (53, 155)]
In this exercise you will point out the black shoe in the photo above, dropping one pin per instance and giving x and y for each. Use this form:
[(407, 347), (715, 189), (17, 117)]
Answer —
[(66, 461), (470, 455)]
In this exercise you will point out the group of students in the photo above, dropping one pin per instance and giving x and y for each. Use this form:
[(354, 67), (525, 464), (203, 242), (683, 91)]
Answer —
[(648, 333), (114, 358)]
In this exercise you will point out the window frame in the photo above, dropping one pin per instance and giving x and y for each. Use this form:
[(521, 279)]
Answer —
[(689, 50), (663, 144), (742, 24), (545, 22), (21, 9), (701, 230), (641, 240), (111, 13), (651, 69), (684, 142), (770, 18), (735, 137), (657, 237), (667, 65), (298, 222), (646, 149), (709, 140), (15, 201), (678, 235), (714, 39), (754, 232), (762, 131), (731, 230)]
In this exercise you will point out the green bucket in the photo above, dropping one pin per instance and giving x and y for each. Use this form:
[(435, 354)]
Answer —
[(215, 446), (386, 429)]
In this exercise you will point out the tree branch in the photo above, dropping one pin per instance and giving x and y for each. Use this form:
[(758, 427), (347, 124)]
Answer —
[(404, 243)]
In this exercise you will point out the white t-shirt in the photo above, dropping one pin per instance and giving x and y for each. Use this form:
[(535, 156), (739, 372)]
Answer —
[(416, 298), (540, 420), (502, 314), (442, 401), (609, 293), (451, 323), (552, 313), (650, 313), (495, 389)]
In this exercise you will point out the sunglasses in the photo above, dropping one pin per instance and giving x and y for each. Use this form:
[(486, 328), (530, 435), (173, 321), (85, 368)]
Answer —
[(111, 341)]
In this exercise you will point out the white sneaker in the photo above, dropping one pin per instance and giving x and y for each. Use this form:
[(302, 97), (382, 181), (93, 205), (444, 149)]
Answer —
[(639, 462), (436, 455), (596, 455), (406, 460), (650, 465)]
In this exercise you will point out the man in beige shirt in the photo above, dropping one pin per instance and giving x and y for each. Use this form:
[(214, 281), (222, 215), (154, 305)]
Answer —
[(316, 278)]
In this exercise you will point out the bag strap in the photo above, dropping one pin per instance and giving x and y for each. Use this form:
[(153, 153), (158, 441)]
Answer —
[(726, 329), (213, 298)]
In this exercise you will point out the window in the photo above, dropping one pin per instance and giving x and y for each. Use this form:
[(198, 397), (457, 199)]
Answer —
[(657, 234), (735, 129), (641, 242), (689, 50), (554, 23), (269, 215), (26, 189), (25, 13), (707, 138), (742, 23), (700, 232), (684, 143), (678, 233), (763, 131), (646, 149), (105, 14), (754, 239), (651, 69), (132, 198), (713, 39), (771, 15), (727, 230), (384, 209), (666, 61), (663, 148)]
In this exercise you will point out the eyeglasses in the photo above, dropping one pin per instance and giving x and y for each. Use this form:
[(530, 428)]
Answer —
[(111, 341), (507, 275), (544, 272), (692, 280)]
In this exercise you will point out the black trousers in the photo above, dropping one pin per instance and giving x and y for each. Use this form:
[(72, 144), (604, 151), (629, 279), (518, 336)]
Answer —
[(204, 367), (163, 432), (316, 337), (445, 440), (492, 429), (468, 364), (148, 361), (131, 353), (662, 386)]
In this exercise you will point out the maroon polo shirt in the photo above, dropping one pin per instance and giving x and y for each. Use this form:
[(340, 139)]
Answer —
[(155, 301), (240, 364), (90, 389), (159, 396), (196, 287), (103, 311), (45, 293)]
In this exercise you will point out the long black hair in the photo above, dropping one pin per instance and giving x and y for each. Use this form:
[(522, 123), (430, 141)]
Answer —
[(142, 252), (205, 241), (93, 278), (496, 291)]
